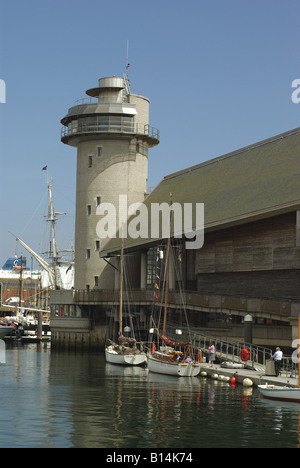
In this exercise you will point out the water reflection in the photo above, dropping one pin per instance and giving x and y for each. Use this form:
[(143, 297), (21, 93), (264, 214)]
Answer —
[(77, 400)]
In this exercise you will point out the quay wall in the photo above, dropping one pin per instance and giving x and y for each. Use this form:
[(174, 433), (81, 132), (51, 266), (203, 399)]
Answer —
[(77, 333)]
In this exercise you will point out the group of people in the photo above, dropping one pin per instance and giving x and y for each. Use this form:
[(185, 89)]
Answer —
[(277, 357)]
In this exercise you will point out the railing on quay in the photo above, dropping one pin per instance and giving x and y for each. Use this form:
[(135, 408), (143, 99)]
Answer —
[(289, 367), (231, 352), (225, 350)]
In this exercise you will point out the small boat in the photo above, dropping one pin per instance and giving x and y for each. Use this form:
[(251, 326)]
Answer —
[(275, 392), (165, 363), (232, 365), (125, 356), (125, 352)]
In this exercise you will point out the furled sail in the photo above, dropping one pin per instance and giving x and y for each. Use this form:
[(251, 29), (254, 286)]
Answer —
[(173, 343)]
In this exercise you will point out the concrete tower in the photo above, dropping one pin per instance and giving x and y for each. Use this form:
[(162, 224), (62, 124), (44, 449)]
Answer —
[(112, 136)]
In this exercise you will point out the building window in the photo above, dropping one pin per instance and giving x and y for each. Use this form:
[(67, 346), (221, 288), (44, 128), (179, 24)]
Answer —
[(89, 210), (99, 151), (88, 253), (96, 278), (97, 245), (98, 201), (137, 147), (90, 160)]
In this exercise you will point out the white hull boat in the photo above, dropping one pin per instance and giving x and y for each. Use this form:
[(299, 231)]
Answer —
[(124, 358), (160, 363), (275, 392)]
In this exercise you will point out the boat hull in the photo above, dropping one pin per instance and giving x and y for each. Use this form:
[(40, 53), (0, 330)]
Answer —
[(273, 392), (114, 357), (182, 369)]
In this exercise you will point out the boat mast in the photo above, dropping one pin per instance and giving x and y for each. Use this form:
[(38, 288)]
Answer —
[(121, 287), (168, 271)]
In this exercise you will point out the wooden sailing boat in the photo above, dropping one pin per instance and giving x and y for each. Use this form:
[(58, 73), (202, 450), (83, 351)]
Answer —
[(126, 351), (276, 392), (167, 360)]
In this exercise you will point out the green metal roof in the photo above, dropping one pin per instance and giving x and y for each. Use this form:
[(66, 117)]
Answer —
[(255, 182)]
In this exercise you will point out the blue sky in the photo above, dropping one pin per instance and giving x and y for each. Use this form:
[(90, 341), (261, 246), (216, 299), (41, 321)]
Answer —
[(218, 74)]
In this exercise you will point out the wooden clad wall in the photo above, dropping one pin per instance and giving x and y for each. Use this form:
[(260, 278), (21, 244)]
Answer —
[(269, 244), (256, 259)]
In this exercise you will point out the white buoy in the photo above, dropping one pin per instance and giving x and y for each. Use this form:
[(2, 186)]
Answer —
[(226, 378), (220, 377), (214, 376), (203, 374), (247, 383)]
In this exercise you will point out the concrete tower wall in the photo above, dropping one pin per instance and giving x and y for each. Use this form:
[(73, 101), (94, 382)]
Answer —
[(120, 170)]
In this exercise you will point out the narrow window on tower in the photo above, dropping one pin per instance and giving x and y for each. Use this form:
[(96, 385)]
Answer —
[(88, 253), (98, 201), (90, 160), (99, 151), (89, 210), (96, 278), (97, 245)]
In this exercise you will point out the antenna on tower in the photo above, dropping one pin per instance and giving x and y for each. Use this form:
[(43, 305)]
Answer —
[(125, 76)]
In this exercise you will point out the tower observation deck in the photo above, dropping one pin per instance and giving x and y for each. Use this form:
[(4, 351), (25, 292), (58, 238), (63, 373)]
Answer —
[(113, 113)]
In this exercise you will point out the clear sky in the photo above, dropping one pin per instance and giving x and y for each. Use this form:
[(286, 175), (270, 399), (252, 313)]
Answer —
[(218, 74)]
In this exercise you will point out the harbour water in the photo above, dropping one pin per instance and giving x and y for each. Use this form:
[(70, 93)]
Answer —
[(57, 399)]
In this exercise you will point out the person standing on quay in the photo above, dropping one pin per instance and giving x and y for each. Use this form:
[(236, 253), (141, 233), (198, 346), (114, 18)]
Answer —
[(277, 357), (211, 356)]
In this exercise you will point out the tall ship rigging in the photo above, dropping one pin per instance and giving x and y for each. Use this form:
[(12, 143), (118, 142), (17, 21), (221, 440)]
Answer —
[(56, 273)]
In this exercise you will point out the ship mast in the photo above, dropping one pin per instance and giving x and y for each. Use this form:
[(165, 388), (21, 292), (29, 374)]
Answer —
[(53, 253)]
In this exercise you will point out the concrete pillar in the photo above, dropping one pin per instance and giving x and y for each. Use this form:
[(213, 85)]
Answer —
[(295, 313), (143, 270), (248, 327), (40, 326)]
